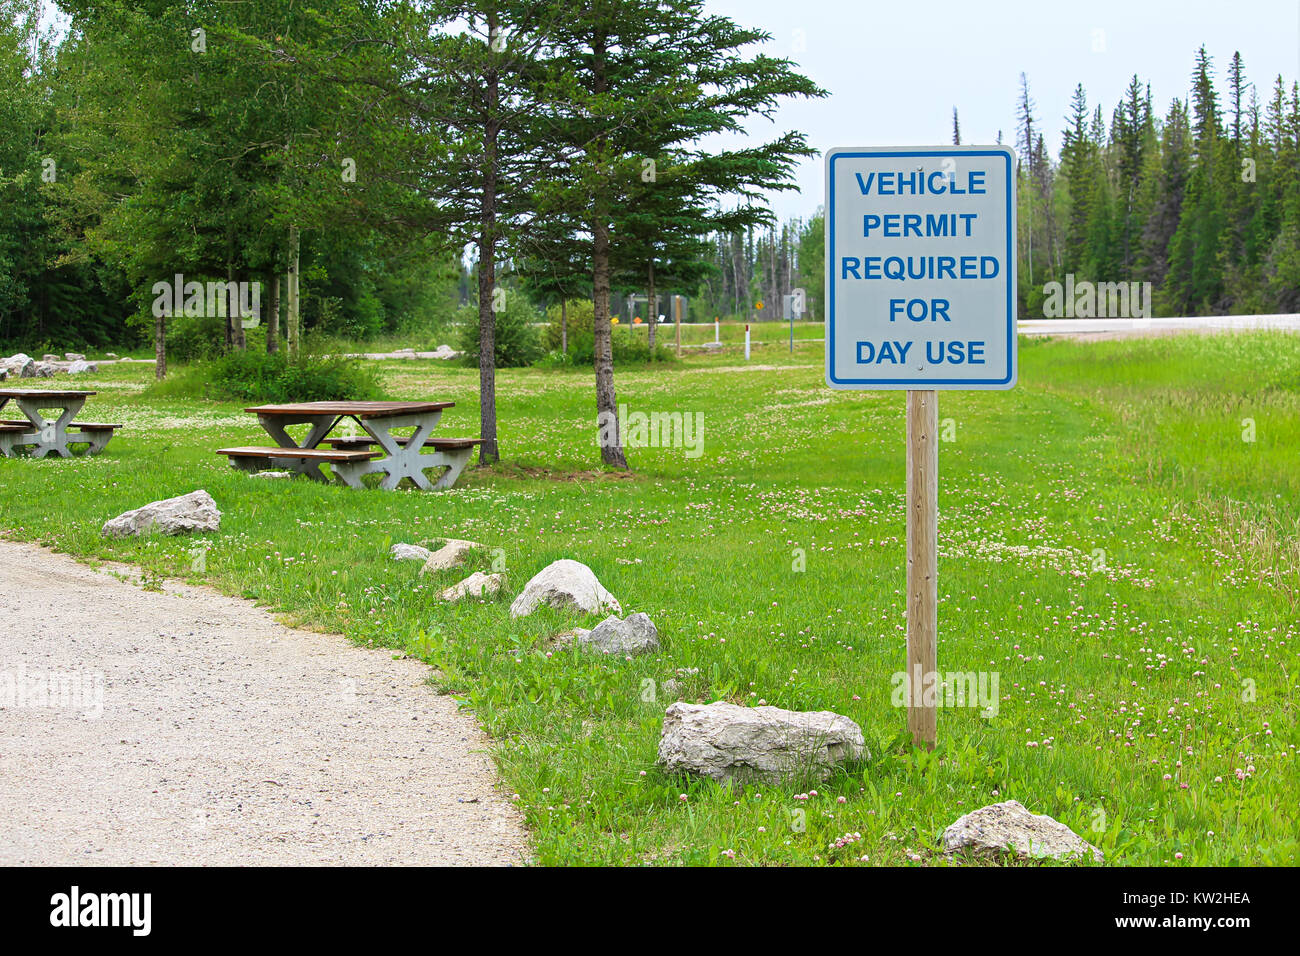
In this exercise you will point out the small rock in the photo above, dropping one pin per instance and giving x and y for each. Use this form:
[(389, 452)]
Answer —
[(272, 474), (69, 357), (409, 552), (193, 512), (990, 830), (477, 584), (80, 367), (636, 635), (110, 355), (725, 742), (47, 357), (452, 554), (42, 370), (564, 584)]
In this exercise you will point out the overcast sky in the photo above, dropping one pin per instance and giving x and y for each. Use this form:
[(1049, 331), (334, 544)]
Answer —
[(896, 69)]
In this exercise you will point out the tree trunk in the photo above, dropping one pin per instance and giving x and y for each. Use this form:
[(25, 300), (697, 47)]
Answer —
[(564, 326), (273, 321), (235, 311), (487, 382), (291, 283), (652, 310), (488, 451), (160, 347), (740, 292), (607, 423), (224, 305), (677, 325), (611, 443)]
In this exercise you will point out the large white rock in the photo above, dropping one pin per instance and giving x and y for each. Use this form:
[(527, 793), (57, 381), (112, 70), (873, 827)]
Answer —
[(766, 744), (636, 635), (18, 365), (452, 554), (81, 366), (990, 830), (563, 584), (477, 584), (193, 512), (409, 552)]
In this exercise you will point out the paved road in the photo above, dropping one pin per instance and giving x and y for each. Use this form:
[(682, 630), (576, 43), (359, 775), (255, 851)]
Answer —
[(1100, 328), (218, 736), (1083, 328)]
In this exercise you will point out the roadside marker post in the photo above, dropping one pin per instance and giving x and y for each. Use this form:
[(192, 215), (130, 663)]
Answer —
[(787, 306), (746, 341), (921, 296)]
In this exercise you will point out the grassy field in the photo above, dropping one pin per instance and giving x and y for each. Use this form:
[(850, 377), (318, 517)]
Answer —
[(1119, 543)]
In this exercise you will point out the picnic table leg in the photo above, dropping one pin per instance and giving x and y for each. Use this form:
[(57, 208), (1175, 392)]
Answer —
[(456, 461), (403, 459), (350, 472), (98, 441), (320, 427), (50, 436)]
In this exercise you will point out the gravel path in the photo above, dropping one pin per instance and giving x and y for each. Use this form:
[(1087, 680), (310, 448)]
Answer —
[(223, 737)]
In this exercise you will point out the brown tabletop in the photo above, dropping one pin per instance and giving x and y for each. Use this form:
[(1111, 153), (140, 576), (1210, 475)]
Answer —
[(355, 409), (42, 393)]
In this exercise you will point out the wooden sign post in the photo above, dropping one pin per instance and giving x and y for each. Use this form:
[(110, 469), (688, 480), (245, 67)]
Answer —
[(921, 295), (922, 564)]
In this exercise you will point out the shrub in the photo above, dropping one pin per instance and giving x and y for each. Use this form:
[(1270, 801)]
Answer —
[(195, 338), (517, 340), (631, 344), (256, 376), (581, 318)]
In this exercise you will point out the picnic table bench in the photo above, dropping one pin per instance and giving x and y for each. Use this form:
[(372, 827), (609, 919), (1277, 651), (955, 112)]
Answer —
[(50, 435), (351, 458)]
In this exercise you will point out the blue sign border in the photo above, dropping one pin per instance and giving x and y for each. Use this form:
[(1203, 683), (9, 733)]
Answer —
[(923, 383)]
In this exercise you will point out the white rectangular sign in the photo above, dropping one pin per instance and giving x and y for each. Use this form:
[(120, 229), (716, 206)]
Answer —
[(921, 267)]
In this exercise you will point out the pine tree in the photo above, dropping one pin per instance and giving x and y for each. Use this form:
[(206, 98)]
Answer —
[(640, 79), (1195, 279), (1079, 167)]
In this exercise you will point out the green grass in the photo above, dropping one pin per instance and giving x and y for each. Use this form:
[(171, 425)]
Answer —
[(1110, 545)]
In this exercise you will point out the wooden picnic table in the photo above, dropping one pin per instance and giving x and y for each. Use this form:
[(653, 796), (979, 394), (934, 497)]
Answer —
[(45, 435), (379, 451)]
